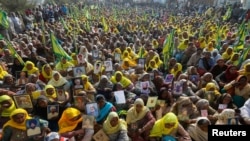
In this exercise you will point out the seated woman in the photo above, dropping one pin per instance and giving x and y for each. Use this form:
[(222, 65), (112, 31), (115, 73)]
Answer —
[(168, 126), (7, 106), (88, 87), (105, 108), (207, 78), (198, 131), (126, 83), (227, 117), (15, 129), (53, 96), (115, 128), (147, 90), (140, 121), (30, 68), (2, 72), (46, 73), (225, 99), (176, 70), (245, 71), (70, 126), (58, 81), (218, 68), (104, 86), (204, 109), (185, 111), (239, 89)]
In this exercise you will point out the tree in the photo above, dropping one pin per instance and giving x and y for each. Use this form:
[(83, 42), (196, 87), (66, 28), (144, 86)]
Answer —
[(18, 5)]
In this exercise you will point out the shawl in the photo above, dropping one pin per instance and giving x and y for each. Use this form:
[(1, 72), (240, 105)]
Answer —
[(109, 129)]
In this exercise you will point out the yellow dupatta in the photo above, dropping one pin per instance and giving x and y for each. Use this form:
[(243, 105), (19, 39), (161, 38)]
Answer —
[(65, 123), (53, 96), (45, 75), (244, 70), (225, 54), (132, 115), (211, 85), (2, 72), (74, 59), (7, 111), (175, 72), (124, 81), (158, 61), (32, 70), (183, 45), (159, 128), (152, 65), (87, 85), (109, 129), (131, 53), (12, 123), (142, 52)]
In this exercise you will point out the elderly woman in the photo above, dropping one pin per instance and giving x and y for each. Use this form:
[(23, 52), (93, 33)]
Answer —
[(168, 126), (207, 78), (199, 130), (204, 109), (185, 110), (46, 73), (15, 129), (227, 117), (104, 86), (70, 126), (58, 81), (115, 128), (7, 105), (30, 68), (140, 121)]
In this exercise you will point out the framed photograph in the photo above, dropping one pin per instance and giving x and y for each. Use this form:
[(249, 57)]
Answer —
[(178, 89), (141, 61), (52, 111), (79, 102), (117, 57), (97, 67), (169, 78), (77, 91), (61, 96), (95, 54), (151, 101), (194, 78), (108, 65), (100, 136), (92, 109), (80, 59), (145, 87), (77, 83), (79, 71), (120, 97), (23, 101), (88, 122), (33, 127)]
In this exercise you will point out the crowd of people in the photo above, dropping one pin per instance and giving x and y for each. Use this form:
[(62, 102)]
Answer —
[(143, 73)]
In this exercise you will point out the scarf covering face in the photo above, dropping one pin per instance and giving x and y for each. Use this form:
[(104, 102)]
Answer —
[(7, 111), (57, 83), (109, 129), (159, 128), (45, 75), (132, 115), (32, 70), (195, 131), (53, 96), (12, 123), (124, 81), (65, 125), (2, 72)]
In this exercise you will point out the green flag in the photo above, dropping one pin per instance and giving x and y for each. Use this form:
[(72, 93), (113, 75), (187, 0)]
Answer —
[(3, 19)]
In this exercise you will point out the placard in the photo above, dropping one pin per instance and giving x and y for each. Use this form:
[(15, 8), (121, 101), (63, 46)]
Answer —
[(88, 122), (77, 83), (145, 87), (61, 96), (52, 111), (169, 78), (33, 127), (108, 65), (100, 136), (23, 101), (97, 67), (78, 71), (120, 97), (92, 109), (151, 101)]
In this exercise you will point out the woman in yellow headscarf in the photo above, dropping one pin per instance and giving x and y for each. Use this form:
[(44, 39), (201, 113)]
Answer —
[(2, 73), (155, 43), (30, 68), (183, 45), (176, 70), (158, 61), (227, 54), (202, 42), (74, 59), (15, 129), (127, 64), (169, 126), (88, 87), (46, 73), (234, 60), (8, 106), (151, 65), (142, 52), (125, 82), (115, 128), (245, 71), (209, 47), (70, 125), (50, 92), (132, 54)]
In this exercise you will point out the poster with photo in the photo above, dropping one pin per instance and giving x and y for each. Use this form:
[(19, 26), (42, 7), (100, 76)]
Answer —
[(33, 127), (97, 67), (108, 66), (23, 101), (120, 97), (52, 111), (61, 96), (117, 57), (77, 83), (80, 59), (95, 54), (88, 122), (79, 102), (169, 78), (79, 71), (100, 136), (142, 62), (145, 87), (92, 109), (152, 100)]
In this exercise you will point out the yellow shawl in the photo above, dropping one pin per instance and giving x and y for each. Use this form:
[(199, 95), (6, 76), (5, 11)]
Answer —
[(87, 85), (175, 72), (65, 123), (124, 81), (45, 75), (32, 70), (12, 123), (159, 128), (225, 54), (244, 70), (2, 72), (211, 85), (132, 115), (7, 111), (53, 96), (109, 129), (57, 83), (158, 61)]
